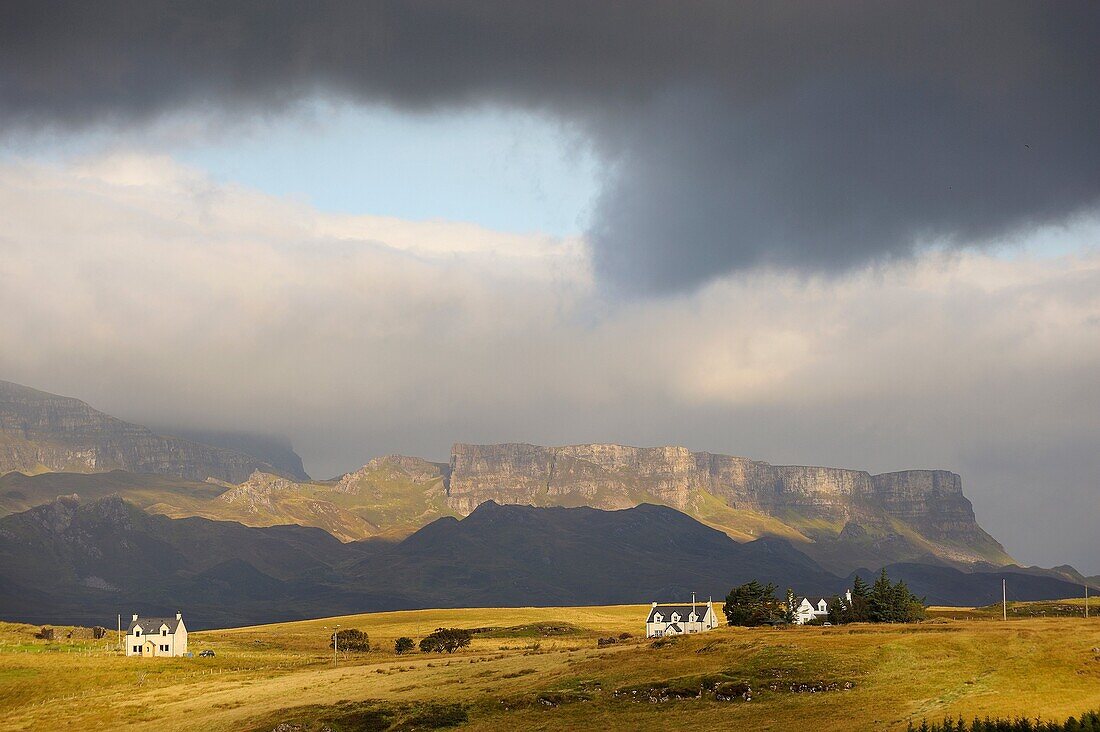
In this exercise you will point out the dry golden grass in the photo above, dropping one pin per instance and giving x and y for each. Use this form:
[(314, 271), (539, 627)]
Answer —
[(522, 679)]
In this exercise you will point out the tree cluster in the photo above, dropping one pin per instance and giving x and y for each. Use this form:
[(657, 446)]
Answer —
[(753, 604), (445, 640), (351, 639), (403, 644), (1089, 722), (883, 602)]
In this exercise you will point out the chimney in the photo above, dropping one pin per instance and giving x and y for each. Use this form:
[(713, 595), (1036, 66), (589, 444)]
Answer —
[(653, 605), (135, 617), (179, 615)]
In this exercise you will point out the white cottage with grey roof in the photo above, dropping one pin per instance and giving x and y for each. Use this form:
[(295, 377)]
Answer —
[(679, 618), (149, 637), (815, 608), (811, 608)]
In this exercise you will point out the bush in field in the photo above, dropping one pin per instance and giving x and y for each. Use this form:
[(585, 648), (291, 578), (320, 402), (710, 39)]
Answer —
[(47, 633), (754, 604), (99, 632), (351, 639), (445, 640), (403, 645)]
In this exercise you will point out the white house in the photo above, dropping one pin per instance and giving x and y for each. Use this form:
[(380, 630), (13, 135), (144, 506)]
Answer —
[(692, 617), (814, 609), (149, 637), (811, 609)]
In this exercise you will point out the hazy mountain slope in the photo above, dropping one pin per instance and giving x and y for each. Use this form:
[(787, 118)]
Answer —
[(43, 432), (275, 451), (845, 518)]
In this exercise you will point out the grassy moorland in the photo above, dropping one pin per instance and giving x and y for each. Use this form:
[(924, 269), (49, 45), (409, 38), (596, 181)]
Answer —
[(541, 668)]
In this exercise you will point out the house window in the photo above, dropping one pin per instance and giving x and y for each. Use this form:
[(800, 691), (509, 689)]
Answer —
[(137, 649), (137, 633), (164, 631)]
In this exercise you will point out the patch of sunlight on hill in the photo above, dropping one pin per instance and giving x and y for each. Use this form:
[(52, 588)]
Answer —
[(741, 524)]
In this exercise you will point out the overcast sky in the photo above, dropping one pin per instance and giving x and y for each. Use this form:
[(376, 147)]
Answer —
[(854, 234)]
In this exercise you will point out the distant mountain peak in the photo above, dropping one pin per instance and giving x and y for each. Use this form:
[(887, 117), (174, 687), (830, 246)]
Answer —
[(41, 431)]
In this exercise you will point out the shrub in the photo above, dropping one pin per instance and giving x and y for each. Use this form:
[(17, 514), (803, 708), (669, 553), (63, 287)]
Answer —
[(446, 640), (47, 633), (99, 632), (403, 645), (437, 716), (351, 639)]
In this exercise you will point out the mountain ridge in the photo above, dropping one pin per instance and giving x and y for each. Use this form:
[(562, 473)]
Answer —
[(73, 561), (844, 516)]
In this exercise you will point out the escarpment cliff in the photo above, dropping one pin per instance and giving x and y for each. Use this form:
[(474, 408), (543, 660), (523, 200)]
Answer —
[(846, 518), (41, 431)]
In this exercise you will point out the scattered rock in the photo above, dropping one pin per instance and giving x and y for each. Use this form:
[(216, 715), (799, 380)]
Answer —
[(812, 687)]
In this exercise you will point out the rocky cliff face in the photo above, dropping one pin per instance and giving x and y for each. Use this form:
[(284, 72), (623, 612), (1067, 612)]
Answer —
[(850, 516), (40, 431), (614, 476)]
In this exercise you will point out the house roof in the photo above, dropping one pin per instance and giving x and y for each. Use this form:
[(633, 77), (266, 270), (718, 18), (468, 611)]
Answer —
[(684, 610), (815, 600), (150, 624)]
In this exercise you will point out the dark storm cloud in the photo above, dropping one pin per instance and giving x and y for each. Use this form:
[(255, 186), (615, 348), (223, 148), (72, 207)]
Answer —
[(808, 135)]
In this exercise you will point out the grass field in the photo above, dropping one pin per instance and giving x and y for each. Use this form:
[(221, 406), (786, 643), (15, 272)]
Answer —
[(541, 668)]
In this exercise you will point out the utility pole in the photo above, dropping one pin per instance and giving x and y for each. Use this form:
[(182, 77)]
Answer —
[(335, 641), (1086, 602), (1004, 600), (120, 631)]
